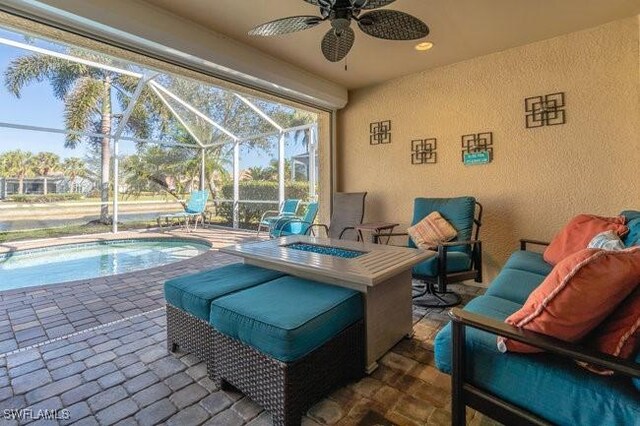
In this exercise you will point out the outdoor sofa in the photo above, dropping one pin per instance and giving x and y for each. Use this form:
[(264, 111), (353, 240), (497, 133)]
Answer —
[(523, 389)]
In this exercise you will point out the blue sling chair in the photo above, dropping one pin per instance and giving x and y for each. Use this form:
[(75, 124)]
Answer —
[(195, 207), (288, 208), (295, 225)]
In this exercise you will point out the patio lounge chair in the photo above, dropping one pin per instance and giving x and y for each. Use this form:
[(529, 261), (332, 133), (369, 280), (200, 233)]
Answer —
[(287, 209), (295, 225), (348, 211), (195, 208)]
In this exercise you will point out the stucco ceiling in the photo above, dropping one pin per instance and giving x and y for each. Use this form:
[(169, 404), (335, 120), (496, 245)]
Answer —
[(460, 30)]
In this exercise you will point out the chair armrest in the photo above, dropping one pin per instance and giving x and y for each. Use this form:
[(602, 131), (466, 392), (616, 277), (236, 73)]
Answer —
[(459, 243), (318, 225), (525, 241), (547, 343), (270, 213)]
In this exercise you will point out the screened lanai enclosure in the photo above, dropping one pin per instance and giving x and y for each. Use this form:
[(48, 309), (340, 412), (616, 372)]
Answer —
[(89, 137)]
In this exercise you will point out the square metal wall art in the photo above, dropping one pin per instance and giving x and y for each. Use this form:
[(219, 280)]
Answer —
[(477, 142), (423, 151), (547, 110), (380, 132)]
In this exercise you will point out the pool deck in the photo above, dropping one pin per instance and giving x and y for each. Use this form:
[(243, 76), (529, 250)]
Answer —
[(97, 348)]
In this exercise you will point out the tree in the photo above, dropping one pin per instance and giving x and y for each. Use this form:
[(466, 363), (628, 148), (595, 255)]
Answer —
[(73, 168), (18, 164), (88, 94), (44, 163)]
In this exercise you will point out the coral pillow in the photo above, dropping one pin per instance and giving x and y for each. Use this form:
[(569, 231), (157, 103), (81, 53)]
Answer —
[(578, 294), (619, 334), (431, 231), (577, 234)]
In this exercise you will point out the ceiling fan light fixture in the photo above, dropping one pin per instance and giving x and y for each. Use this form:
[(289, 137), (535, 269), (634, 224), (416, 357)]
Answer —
[(424, 46)]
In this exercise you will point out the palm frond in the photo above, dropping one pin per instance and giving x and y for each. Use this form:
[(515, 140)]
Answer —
[(80, 105)]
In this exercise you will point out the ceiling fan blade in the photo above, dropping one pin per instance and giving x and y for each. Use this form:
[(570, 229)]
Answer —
[(370, 4), (337, 44), (392, 25), (286, 26)]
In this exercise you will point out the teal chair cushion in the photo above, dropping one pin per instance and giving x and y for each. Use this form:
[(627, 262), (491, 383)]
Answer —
[(292, 228), (287, 318), (290, 207), (456, 262), (514, 285), (457, 211), (194, 293), (529, 261), (555, 389), (633, 237), (197, 202)]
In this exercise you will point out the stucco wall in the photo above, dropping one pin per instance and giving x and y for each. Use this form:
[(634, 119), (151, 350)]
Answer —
[(539, 177)]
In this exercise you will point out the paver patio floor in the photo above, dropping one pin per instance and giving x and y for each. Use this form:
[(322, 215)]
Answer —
[(100, 353)]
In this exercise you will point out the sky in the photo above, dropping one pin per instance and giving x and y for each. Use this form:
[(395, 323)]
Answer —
[(37, 106)]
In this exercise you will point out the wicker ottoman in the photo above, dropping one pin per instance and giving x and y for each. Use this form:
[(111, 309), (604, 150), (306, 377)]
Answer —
[(189, 303), (287, 344)]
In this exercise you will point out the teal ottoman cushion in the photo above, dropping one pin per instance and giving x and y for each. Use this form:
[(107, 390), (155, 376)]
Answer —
[(194, 293), (557, 390), (529, 261), (287, 318), (456, 261), (514, 285)]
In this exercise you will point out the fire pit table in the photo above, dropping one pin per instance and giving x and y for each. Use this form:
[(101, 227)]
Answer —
[(382, 273)]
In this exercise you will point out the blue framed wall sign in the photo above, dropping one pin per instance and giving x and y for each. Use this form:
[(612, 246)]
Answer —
[(478, 157)]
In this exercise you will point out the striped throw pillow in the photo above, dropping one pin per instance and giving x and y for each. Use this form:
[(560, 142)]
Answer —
[(431, 231), (607, 240)]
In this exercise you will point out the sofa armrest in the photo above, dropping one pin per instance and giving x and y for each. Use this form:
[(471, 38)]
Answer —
[(525, 241), (547, 343)]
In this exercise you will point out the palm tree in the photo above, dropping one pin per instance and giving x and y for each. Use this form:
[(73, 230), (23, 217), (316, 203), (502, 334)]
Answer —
[(44, 163), (73, 168), (88, 94), (18, 164)]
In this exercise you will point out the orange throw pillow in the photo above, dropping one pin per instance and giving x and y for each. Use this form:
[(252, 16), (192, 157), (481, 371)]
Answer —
[(577, 234), (431, 231), (578, 294), (619, 334)]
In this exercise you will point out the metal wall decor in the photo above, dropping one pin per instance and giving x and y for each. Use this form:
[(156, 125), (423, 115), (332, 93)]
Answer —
[(423, 151), (478, 142), (545, 110), (380, 132)]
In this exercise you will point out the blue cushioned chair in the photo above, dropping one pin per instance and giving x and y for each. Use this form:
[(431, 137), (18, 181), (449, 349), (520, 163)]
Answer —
[(457, 260), (288, 208), (295, 225)]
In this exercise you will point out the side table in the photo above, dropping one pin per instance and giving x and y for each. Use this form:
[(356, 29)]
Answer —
[(375, 228)]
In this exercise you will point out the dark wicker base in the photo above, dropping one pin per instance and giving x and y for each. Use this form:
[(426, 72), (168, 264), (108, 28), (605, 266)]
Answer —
[(190, 334), (287, 390)]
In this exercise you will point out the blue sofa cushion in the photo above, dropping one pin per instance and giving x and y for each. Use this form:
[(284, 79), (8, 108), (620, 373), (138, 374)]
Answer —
[(514, 285), (456, 262), (529, 261), (633, 236), (631, 214), (194, 293), (557, 390), (457, 211), (287, 318)]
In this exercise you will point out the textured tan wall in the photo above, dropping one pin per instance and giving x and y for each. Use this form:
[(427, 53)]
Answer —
[(539, 177)]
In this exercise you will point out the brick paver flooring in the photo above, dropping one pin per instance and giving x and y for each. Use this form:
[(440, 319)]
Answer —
[(96, 349)]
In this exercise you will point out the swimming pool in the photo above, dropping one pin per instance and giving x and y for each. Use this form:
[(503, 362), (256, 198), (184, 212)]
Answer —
[(72, 262)]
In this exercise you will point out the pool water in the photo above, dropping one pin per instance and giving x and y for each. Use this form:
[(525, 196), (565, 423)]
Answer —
[(91, 260)]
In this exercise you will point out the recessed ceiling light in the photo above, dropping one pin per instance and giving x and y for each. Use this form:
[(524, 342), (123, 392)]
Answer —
[(424, 46)]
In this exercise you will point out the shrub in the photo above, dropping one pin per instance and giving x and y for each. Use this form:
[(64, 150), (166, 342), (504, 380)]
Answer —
[(40, 198), (257, 190)]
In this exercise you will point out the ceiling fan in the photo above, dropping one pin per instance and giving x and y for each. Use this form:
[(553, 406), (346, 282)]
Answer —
[(336, 44)]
